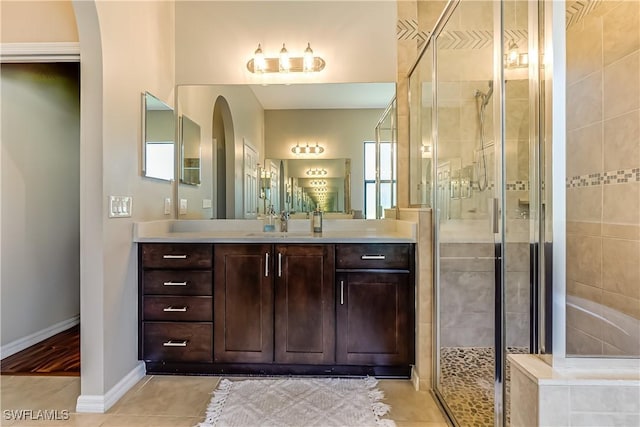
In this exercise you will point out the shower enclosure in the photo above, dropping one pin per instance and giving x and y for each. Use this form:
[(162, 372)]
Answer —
[(476, 160)]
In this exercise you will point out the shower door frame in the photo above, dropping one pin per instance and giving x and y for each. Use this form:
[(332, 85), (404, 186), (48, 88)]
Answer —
[(537, 270)]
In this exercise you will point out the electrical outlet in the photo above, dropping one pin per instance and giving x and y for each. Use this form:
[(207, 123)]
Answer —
[(120, 206), (183, 206), (167, 206)]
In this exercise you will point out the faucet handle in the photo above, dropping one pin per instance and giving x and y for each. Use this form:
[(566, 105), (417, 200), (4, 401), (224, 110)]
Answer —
[(284, 215)]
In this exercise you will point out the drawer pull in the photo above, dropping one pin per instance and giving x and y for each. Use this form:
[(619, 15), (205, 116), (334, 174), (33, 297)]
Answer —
[(171, 308), (341, 292), (174, 256), (372, 257), (175, 283), (172, 343), (266, 264)]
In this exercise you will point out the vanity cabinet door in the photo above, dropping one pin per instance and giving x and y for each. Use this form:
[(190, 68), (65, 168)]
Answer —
[(243, 303), (374, 319), (304, 304)]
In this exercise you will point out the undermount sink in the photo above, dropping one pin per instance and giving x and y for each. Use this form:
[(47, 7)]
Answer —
[(279, 234)]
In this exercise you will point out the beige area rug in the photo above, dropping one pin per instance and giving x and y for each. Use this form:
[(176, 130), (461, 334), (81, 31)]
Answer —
[(297, 402)]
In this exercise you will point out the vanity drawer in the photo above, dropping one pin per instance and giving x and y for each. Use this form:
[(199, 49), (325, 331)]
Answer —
[(179, 342), (373, 255), (177, 282), (176, 255), (177, 308)]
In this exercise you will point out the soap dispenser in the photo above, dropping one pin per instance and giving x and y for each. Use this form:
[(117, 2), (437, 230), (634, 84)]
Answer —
[(317, 221), (269, 220)]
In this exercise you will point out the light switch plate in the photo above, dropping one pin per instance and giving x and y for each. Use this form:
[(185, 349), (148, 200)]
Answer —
[(120, 206), (206, 204), (167, 206), (183, 206)]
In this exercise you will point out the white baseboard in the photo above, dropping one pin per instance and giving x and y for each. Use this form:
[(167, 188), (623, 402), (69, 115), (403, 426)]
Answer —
[(26, 342), (101, 403)]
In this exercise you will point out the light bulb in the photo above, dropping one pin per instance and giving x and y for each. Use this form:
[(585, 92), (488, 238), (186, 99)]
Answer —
[(285, 65), (307, 62), (259, 63)]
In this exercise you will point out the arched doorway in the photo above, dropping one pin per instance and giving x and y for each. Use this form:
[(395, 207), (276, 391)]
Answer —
[(224, 142)]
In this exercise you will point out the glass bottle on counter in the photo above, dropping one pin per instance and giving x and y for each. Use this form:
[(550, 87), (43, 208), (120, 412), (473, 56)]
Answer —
[(317, 221)]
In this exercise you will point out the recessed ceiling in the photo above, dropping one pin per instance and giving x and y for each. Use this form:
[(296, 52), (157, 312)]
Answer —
[(325, 96)]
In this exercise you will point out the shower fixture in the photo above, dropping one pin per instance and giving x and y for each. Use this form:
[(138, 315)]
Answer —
[(485, 96)]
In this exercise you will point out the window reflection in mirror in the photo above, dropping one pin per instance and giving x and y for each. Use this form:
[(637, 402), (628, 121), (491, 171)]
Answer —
[(158, 138), (190, 151)]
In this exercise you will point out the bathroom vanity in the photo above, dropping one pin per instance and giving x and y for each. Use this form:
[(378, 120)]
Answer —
[(216, 300)]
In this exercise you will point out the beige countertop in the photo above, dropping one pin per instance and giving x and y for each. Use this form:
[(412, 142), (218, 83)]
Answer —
[(251, 231)]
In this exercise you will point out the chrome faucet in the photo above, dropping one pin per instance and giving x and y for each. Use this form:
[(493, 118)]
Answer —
[(284, 221)]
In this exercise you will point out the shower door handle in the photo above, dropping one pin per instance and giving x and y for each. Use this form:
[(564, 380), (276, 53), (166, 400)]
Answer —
[(494, 215)]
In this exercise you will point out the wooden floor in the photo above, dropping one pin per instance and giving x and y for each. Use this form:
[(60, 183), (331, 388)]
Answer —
[(58, 355)]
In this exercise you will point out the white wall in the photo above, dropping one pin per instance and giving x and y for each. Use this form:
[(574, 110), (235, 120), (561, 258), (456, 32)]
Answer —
[(197, 102), (126, 48), (341, 132), (215, 39), (40, 282), (37, 21)]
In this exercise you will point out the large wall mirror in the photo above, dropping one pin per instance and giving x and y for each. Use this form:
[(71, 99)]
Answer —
[(158, 129), (273, 120)]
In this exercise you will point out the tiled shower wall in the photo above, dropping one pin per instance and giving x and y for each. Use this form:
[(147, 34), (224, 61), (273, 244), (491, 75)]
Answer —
[(603, 178)]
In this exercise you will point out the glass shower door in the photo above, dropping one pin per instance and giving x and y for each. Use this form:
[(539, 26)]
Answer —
[(467, 204), (487, 169)]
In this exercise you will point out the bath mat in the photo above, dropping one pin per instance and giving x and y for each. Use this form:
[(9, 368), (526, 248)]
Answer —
[(295, 402)]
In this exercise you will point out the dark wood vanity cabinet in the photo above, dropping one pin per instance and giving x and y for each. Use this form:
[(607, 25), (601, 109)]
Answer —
[(304, 304), (243, 307), (284, 308), (175, 304), (274, 304), (375, 304)]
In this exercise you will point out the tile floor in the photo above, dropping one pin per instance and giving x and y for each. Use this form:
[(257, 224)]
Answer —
[(173, 401)]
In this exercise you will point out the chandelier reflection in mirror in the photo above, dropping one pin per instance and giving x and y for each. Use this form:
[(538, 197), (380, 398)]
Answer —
[(284, 62), (316, 172), (307, 149)]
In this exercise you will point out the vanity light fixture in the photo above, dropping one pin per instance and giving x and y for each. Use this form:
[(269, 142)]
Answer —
[(513, 58), (307, 149), (318, 183), (317, 172), (425, 151), (285, 63)]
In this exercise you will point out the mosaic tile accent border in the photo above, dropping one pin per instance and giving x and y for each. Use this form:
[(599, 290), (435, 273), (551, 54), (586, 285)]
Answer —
[(612, 177), (511, 185), (577, 10), (408, 29)]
